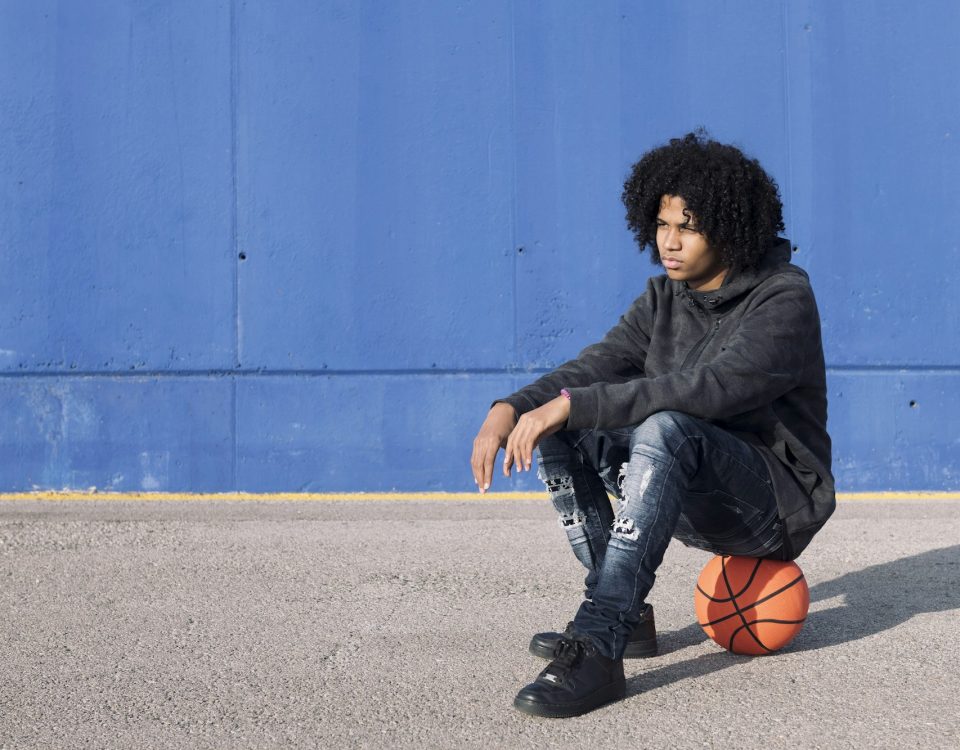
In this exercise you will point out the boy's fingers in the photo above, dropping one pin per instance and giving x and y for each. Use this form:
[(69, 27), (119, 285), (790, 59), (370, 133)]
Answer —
[(508, 456), (475, 465), (486, 473), (520, 452)]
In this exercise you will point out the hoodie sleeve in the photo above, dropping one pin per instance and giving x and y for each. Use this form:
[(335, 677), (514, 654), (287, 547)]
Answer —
[(618, 358), (760, 362)]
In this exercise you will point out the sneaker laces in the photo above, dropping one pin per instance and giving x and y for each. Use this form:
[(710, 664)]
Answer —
[(567, 654)]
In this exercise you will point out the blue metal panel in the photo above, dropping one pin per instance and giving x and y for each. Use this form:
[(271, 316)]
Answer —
[(391, 160), (597, 85), (115, 163), (877, 153), (893, 430), (365, 432), (376, 189), (340, 433), (122, 434), (719, 65), (575, 268)]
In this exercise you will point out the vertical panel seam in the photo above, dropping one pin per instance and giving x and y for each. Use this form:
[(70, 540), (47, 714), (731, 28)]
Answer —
[(235, 240), (785, 27), (514, 210), (234, 208)]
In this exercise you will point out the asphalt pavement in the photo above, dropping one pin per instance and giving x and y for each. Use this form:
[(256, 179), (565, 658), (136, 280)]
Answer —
[(404, 624)]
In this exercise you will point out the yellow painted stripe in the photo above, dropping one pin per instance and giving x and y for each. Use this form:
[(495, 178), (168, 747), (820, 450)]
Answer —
[(378, 496), (268, 496), (921, 495)]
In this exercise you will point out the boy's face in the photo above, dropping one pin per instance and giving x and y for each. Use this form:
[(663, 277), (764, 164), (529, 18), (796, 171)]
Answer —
[(684, 251)]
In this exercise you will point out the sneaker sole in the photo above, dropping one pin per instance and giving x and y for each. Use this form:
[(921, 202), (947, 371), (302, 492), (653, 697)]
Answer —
[(635, 650), (609, 694)]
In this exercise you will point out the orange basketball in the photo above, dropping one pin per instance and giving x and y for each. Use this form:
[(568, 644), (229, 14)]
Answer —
[(749, 605)]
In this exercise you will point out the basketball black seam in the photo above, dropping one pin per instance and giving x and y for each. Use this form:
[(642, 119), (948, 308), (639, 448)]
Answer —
[(746, 627), (726, 580), (747, 609), (733, 596)]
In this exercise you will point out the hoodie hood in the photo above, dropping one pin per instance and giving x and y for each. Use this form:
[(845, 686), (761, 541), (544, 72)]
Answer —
[(739, 282)]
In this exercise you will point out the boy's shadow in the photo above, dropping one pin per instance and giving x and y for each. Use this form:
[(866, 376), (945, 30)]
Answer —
[(870, 601)]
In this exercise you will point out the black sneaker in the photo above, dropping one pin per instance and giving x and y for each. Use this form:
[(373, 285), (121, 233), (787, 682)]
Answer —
[(579, 679), (641, 644)]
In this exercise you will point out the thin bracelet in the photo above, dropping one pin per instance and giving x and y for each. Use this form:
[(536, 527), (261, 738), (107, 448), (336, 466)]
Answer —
[(565, 393)]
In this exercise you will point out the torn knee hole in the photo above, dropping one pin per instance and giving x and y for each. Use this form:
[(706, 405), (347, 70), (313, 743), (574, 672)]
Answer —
[(559, 484), (622, 474), (570, 520), (625, 528), (631, 490)]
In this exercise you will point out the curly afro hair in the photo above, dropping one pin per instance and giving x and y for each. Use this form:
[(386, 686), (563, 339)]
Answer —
[(735, 203)]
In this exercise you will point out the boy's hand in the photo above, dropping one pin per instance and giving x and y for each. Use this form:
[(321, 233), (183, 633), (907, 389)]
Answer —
[(491, 438), (531, 428)]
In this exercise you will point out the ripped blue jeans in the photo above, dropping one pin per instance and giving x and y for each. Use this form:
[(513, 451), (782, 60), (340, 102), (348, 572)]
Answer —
[(674, 476)]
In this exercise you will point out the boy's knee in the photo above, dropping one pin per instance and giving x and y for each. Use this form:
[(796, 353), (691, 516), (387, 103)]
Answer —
[(662, 429)]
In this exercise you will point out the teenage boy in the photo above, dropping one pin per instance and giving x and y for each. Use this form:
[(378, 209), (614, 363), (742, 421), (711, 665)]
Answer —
[(703, 411)]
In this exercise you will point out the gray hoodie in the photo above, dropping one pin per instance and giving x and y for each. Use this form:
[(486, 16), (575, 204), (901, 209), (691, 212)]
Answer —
[(747, 357)]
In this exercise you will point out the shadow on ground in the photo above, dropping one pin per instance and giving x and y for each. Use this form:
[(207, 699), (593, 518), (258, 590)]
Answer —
[(872, 600)]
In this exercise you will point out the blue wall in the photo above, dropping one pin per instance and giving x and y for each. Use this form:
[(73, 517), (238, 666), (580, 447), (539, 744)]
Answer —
[(301, 246)]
